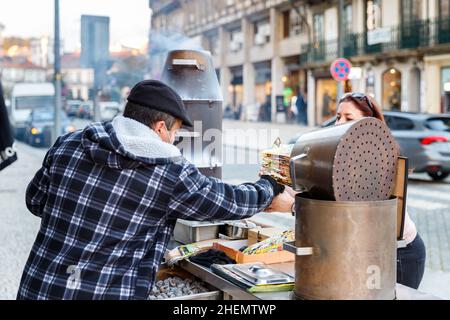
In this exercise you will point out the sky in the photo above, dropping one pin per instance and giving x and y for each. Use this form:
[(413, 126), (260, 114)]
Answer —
[(129, 19)]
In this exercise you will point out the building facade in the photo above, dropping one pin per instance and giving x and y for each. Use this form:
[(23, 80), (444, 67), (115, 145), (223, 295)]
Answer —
[(20, 70), (78, 80), (95, 41), (2, 28), (42, 51), (269, 51)]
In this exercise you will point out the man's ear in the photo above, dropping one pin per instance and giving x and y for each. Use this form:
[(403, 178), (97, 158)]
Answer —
[(159, 126)]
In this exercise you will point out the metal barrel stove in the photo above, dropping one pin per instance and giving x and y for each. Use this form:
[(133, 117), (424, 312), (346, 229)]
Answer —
[(346, 220), (191, 73), (345, 249)]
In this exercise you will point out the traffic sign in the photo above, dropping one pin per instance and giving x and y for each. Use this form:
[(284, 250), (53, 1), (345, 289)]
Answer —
[(340, 69)]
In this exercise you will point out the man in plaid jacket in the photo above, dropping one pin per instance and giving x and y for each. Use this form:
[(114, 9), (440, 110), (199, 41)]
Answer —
[(109, 197)]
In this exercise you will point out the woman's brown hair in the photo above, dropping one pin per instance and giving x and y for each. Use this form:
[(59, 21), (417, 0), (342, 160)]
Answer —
[(366, 104)]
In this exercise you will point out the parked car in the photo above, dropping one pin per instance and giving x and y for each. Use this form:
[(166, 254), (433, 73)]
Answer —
[(39, 126), (72, 107), (423, 138), (86, 110)]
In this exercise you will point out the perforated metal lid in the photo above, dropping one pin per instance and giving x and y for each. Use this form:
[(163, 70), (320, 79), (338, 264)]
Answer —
[(365, 163)]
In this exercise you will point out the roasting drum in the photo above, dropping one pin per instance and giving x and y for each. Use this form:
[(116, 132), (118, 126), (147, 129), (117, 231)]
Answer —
[(355, 161)]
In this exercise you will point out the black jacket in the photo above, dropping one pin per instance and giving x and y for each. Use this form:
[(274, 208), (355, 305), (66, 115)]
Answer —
[(7, 152)]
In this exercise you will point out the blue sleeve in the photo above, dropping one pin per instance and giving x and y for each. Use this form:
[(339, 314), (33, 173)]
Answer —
[(197, 197)]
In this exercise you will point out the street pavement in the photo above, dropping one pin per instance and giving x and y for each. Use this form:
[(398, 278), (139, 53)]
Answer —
[(428, 203)]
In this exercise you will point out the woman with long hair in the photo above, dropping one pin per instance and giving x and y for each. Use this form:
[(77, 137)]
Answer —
[(411, 259)]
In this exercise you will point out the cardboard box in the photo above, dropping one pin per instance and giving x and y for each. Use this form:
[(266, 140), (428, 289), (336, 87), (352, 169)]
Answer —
[(231, 249), (258, 234), (253, 236)]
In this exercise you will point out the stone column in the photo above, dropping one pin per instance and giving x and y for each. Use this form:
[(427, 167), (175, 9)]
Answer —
[(277, 63), (248, 68), (406, 97), (277, 87), (358, 16), (433, 9), (225, 74)]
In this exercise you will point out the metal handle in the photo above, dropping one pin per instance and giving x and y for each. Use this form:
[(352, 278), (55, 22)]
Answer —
[(188, 63), (304, 251), (292, 169)]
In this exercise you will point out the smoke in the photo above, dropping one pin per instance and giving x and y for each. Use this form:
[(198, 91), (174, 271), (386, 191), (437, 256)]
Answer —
[(163, 42)]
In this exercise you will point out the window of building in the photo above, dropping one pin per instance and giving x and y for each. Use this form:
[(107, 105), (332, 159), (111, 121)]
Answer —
[(236, 40), (347, 19), (262, 32), (392, 90), (373, 14), (444, 8), (213, 43), (292, 23), (318, 23), (411, 11)]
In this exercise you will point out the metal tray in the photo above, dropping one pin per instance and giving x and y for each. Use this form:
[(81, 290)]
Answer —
[(187, 232)]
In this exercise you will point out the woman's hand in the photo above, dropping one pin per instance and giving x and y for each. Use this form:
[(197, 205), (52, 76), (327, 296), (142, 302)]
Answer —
[(281, 203), (290, 191)]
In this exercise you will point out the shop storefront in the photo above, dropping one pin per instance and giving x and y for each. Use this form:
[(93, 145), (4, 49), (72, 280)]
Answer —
[(263, 90), (263, 83), (326, 96), (235, 91), (437, 84), (392, 90), (445, 90), (294, 82)]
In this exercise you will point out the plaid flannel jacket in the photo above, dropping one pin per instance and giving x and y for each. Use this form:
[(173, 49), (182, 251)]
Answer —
[(107, 215)]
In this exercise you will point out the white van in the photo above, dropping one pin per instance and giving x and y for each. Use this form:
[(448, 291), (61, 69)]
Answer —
[(28, 96)]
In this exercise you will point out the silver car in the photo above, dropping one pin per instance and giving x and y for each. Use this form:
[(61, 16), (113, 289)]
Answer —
[(423, 138)]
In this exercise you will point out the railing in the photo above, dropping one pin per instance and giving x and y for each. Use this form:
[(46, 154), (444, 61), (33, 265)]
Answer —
[(417, 34), (319, 51)]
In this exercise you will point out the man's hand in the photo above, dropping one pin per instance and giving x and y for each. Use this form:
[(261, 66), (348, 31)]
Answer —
[(281, 203)]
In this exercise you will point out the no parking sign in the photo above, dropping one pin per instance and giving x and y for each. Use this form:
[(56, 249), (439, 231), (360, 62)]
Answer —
[(340, 69)]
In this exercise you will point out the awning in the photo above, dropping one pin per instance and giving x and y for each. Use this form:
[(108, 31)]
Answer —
[(7, 151)]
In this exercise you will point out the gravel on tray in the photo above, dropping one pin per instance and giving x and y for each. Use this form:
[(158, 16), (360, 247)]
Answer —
[(174, 287)]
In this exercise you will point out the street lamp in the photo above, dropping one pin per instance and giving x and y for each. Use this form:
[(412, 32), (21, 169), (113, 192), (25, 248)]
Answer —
[(340, 87), (57, 75)]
